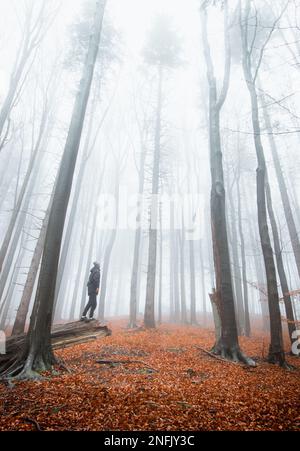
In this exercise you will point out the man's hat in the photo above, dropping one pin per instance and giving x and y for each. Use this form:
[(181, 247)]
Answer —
[(96, 264)]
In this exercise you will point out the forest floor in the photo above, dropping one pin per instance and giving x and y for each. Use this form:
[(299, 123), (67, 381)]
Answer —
[(168, 384)]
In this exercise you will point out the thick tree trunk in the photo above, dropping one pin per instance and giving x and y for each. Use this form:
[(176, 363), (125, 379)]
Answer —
[(227, 344)]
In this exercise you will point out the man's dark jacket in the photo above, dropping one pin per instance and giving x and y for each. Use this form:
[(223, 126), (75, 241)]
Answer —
[(94, 280)]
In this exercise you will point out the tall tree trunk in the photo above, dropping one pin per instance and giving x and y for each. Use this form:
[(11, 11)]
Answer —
[(192, 283), (280, 267), (37, 354), (181, 246), (171, 266), (243, 261), (202, 281), (288, 212), (236, 268), (86, 154), (149, 316), (22, 312), (160, 274), (276, 350), (137, 250), (227, 345), (260, 274)]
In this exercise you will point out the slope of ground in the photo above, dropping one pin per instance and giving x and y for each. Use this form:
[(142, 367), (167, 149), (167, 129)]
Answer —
[(168, 384)]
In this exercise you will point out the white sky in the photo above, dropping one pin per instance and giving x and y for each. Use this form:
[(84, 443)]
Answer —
[(131, 17)]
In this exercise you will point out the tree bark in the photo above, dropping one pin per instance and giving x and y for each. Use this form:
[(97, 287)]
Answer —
[(276, 350), (280, 267), (37, 354), (227, 345), (288, 212)]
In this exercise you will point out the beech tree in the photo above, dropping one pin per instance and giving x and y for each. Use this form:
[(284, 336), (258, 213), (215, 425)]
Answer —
[(227, 344), (37, 354), (251, 65)]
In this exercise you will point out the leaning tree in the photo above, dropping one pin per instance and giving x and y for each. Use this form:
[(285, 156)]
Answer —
[(37, 354)]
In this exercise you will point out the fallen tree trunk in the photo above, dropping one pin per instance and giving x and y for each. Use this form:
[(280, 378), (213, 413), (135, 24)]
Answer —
[(62, 335)]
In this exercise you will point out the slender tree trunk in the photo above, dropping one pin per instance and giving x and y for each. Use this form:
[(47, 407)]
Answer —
[(192, 283), (149, 316), (137, 250), (17, 229), (288, 212), (181, 246), (243, 261), (202, 281), (276, 350), (22, 312), (9, 295), (160, 267), (280, 266), (236, 268), (258, 264)]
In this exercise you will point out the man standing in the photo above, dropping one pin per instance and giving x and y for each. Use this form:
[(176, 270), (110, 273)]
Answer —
[(93, 290)]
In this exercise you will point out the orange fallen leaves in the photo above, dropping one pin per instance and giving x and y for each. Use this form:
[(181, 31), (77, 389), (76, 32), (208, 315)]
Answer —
[(189, 390)]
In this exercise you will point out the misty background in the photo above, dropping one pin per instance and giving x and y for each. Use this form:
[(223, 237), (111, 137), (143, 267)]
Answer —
[(118, 136)]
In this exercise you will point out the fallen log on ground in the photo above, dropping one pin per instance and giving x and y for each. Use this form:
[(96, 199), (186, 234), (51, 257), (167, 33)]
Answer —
[(62, 335)]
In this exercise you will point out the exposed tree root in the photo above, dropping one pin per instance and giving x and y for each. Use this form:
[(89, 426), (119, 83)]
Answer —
[(27, 366), (232, 354), (278, 357)]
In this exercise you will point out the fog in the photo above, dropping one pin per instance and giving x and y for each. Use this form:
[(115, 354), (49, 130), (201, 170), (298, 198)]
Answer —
[(147, 141)]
